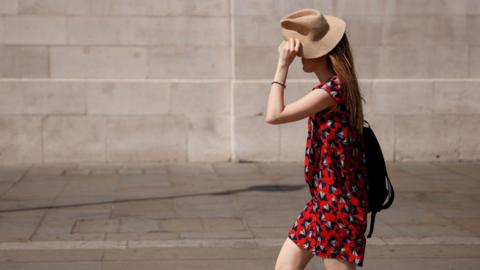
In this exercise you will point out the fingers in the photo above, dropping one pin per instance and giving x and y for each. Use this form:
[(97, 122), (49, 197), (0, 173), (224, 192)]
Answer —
[(294, 45), (290, 46), (290, 43)]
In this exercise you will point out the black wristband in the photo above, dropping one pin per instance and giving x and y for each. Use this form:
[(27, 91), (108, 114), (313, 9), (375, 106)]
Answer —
[(282, 84)]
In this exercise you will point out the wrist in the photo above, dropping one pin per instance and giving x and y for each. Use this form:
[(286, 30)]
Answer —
[(281, 64)]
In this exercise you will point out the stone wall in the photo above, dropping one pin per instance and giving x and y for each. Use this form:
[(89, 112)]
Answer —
[(185, 80)]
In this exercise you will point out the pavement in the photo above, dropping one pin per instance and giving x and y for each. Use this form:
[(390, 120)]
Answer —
[(220, 216)]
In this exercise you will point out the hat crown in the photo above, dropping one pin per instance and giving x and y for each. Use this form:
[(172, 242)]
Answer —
[(318, 33), (307, 22)]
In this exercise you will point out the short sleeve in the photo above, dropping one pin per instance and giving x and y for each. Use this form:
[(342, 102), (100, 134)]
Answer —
[(334, 88)]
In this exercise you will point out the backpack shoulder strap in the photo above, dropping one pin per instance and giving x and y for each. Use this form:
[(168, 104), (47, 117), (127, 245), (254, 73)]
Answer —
[(392, 193), (372, 223)]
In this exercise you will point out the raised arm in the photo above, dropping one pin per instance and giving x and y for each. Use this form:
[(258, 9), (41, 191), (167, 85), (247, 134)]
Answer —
[(314, 101)]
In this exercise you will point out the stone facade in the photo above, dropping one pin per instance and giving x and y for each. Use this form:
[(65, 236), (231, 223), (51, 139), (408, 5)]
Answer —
[(187, 81)]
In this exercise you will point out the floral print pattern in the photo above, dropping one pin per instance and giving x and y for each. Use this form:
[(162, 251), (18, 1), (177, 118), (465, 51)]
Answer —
[(333, 222)]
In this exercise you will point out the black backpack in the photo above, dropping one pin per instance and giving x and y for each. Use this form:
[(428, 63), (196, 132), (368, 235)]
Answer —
[(380, 191)]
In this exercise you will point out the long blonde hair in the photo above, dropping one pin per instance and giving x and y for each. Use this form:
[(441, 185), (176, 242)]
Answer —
[(340, 60)]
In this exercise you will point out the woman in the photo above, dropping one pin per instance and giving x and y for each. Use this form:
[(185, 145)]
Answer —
[(334, 220)]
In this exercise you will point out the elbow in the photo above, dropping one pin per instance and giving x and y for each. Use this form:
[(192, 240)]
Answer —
[(270, 120)]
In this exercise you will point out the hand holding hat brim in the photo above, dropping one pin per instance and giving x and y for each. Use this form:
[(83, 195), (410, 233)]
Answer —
[(318, 33), (280, 46)]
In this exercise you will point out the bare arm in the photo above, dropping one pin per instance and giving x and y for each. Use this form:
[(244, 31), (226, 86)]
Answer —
[(275, 103), (277, 112)]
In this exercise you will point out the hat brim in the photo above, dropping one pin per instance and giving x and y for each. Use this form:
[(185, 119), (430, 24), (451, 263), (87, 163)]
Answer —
[(314, 49)]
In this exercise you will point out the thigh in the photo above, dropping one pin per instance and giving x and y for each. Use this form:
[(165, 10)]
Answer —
[(292, 256), (337, 264)]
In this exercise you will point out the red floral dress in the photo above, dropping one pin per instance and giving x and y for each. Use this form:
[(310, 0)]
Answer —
[(333, 222)]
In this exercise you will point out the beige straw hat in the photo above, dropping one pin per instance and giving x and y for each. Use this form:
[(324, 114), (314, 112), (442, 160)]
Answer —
[(317, 32)]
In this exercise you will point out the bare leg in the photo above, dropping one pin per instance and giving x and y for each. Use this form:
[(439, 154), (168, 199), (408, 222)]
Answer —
[(337, 264), (292, 257)]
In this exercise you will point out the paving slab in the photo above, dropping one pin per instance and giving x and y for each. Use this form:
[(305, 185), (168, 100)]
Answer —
[(220, 216)]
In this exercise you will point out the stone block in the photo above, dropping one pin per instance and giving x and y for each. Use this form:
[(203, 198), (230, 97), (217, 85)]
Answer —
[(409, 61), (427, 137), (23, 61), (425, 7), (74, 138), (448, 61), (211, 8), (403, 61), (469, 143), (2, 30), (35, 30), (98, 62), (364, 30), (42, 97), (21, 140), (456, 97), (193, 31), (279, 8), (127, 98), (366, 90), (448, 29), (209, 138), (366, 60), (283, 7), (473, 23), (161, 8), (119, 8), (473, 7), (250, 98), (403, 97), (54, 7), (146, 138), (255, 139), (8, 7), (423, 30), (149, 30), (261, 30), (203, 62), (12, 99), (248, 65), (364, 8), (200, 98), (474, 62), (109, 30), (252, 7)]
